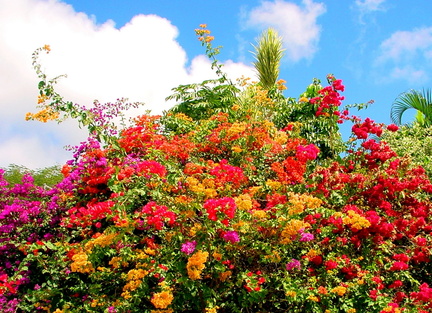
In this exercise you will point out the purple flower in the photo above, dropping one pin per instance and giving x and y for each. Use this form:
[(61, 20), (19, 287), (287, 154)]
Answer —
[(112, 309), (293, 264), (306, 237), (231, 236), (188, 247)]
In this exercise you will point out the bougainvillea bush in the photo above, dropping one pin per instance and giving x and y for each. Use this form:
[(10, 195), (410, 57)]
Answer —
[(228, 213)]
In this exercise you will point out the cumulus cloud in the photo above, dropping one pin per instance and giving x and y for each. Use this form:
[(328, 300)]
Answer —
[(141, 61), (403, 51), (296, 24), (407, 44)]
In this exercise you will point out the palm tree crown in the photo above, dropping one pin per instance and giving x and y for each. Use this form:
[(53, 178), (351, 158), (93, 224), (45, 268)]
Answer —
[(413, 99), (268, 54)]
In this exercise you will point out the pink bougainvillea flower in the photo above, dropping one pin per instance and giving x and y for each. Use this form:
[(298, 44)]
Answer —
[(188, 247), (294, 264), (231, 236)]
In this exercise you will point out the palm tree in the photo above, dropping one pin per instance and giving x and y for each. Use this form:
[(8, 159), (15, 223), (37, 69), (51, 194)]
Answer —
[(413, 99), (268, 54)]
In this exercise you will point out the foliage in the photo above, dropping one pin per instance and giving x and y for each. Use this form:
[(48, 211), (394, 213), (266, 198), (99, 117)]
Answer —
[(268, 54), (229, 213), (99, 119), (44, 177), (317, 113), (413, 141), (413, 99), (200, 101)]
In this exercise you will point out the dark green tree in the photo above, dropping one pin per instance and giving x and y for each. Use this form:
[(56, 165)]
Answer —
[(44, 177)]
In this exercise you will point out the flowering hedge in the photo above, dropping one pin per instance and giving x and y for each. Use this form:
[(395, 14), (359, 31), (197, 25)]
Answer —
[(223, 214)]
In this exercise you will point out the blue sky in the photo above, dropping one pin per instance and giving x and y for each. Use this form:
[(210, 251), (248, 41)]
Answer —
[(140, 49)]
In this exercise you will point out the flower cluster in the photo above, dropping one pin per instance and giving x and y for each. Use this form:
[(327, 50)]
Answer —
[(195, 264), (225, 213)]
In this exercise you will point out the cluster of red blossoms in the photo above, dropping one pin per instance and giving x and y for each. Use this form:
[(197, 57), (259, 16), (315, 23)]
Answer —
[(254, 281), (330, 100), (155, 216), (223, 208)]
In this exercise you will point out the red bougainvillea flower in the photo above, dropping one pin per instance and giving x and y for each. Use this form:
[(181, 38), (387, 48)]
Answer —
[(157, 215), (399, 266), (225, 207), (146, 168), (93, 212), (228, 174), (392, 127), (307, 153)]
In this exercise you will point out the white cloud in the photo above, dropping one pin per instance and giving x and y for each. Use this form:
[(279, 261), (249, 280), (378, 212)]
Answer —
[(369, 5), (410, 74), (141, 61), (31, 152), (296, 24), (405, 44), (403, 51)]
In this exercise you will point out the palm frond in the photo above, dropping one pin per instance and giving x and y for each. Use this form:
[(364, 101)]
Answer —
[(413, 99)]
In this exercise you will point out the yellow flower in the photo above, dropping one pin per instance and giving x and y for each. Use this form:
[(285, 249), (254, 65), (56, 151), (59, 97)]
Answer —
[(195, 264), (194, 185), (303, 99), (313, 298), (162, 299), (224, 275), (356, 221), (101, 241), (211, 310), (136, 274), (312, 253), (339, 290), (273, 257), (210, 193), (301, 202), (243, 202), (236, 128), (184, 117), (150, 251), (115, 262), (391, 309), (217, 256), (44, 115), (81, 264), (253, 190), (351, 310), (195, 229), (42, 98), (236, 149), (241, 226), (292, 229), (274, 185), (280, 84), (281, 137), (291, 293), (260, 214)]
